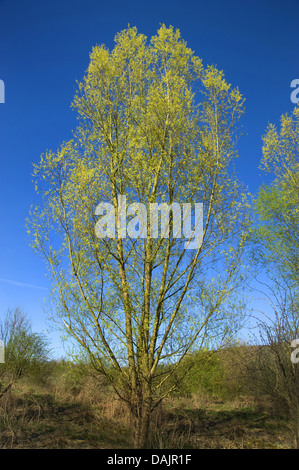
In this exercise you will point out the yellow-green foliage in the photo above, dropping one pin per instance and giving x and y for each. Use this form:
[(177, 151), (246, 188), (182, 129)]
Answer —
[(277, 205), (156, 125), (219, 374)]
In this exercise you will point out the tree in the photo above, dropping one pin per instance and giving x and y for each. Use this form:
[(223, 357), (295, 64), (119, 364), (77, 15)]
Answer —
[(273, 370), (23, 348), (278, 205), (276, 254), (156, 127)]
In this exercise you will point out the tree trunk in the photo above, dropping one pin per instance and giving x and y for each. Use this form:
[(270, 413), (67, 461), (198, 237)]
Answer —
[(142, 431), (140, 422)]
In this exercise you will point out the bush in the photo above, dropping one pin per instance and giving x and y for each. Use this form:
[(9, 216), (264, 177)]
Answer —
[(25, 351), (219, 374)]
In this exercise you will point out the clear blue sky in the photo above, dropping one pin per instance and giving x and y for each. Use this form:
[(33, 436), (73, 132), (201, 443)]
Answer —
[(44, 49)]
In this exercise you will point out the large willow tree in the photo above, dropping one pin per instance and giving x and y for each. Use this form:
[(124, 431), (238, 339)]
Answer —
[(155, 126)]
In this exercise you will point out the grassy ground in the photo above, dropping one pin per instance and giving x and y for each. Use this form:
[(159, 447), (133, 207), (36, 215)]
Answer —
[(34, 417)]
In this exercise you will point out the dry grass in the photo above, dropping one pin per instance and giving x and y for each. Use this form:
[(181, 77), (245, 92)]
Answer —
[(217, 424), (92, 417), (47, 419)]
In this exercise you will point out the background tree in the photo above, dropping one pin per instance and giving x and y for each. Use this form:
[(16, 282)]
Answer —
[(271, 371), (156, 126), (24, 350), (276, 254), (278, 205)]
